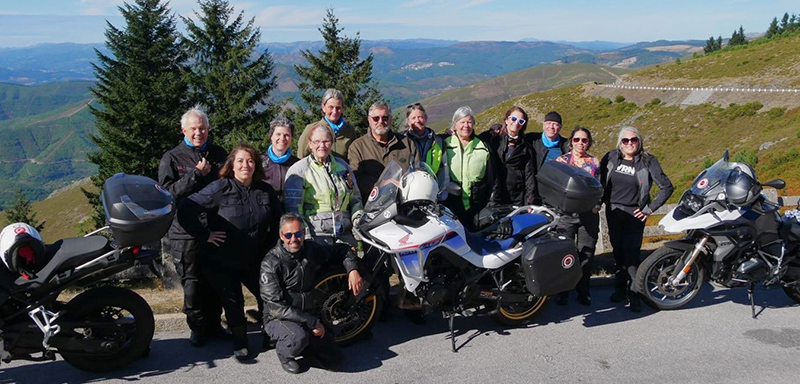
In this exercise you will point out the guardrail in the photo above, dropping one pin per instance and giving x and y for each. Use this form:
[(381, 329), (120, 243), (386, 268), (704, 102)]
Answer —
[(603, 244), (714, 89)]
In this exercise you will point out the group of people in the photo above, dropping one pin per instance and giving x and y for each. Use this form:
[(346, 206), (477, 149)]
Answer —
[(272, 221)]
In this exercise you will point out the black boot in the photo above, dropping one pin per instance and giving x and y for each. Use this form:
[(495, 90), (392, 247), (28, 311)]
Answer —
[(289, 364), (636, 302), (240, 342), (620, 288)]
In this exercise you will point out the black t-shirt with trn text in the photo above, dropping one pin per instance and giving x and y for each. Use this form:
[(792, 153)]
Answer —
[(623, 184)]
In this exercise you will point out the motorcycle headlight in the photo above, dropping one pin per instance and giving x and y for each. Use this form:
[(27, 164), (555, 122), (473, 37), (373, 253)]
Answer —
[(691, 202)]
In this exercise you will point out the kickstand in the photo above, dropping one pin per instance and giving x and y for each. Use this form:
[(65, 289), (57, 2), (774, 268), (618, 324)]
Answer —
[(750, 289), (452, 333)]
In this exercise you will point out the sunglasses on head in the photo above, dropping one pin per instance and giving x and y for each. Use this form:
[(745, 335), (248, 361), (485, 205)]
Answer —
[(632, 140), (514, 120), (298, 234), (584, 140), (415, 105), (379, 118)]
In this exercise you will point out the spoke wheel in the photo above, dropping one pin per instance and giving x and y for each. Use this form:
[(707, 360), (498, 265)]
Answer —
[(338, 314), (653, 275), (117, 321), (519, 312)]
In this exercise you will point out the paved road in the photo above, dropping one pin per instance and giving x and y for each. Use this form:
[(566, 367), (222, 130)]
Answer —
[(714, 340)]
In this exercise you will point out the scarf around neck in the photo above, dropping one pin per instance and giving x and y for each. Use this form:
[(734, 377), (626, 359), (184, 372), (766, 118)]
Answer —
[(278, 159), (549, 143), (335, 127)]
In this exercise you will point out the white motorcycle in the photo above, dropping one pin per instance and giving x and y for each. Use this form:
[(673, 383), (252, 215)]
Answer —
[(505, 271)]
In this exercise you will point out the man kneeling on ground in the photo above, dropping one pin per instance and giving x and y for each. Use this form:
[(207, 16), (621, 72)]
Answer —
[(288, 275)]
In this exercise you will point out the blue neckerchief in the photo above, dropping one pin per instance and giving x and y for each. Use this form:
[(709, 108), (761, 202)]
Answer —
[(189, 144), (278, 159), (549, 143), (335, 127)]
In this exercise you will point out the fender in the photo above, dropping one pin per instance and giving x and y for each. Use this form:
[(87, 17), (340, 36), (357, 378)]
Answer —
[(681, 245)]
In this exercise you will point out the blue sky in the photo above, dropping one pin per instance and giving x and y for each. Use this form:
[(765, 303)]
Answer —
[(24, 23)]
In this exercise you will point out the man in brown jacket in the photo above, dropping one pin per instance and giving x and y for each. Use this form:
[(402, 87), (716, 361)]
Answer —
[(369, 154)]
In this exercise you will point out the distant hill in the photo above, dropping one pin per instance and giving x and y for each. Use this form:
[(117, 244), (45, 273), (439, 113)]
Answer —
[(686, 137), (44, 133), (66, 212), (485, 94)]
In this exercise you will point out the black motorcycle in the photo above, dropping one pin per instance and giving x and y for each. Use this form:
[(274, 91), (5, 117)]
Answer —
[(102, 328), (733, 234)]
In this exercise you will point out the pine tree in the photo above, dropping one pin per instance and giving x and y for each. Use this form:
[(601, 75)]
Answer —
[(711, 45), (719, 42), (337, 66), (234, 87), (773, 29), (22, 212), (784, 23), (141, 90), (737, 38)]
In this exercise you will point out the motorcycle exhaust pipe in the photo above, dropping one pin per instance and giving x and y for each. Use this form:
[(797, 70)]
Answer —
[(698, 248)]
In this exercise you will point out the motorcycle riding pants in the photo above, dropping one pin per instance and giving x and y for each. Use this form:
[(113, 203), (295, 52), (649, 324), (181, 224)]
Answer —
[(200, 303)]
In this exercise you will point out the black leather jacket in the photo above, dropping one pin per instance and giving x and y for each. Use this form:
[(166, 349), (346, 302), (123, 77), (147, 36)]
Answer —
[(177, 173), (288, 280)]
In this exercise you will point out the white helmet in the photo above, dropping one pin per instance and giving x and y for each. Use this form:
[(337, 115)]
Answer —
[(418, 186), (21, 248)]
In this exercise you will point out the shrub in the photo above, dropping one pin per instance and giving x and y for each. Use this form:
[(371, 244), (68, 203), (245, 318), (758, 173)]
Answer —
[(708, 162), (746, 155), (776, 112), (653, 103), (619, 98)]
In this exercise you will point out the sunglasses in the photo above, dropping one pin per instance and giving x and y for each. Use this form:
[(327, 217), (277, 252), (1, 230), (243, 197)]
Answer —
[(379, 118), (298, 234), (584, 140), (632, 140), (514, 120), (412, 106)]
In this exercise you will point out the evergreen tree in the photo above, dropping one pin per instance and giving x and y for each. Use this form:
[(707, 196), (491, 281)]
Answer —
[(22, 212), (337, 66), (773, 28), (784, 23), (233, 86), (719, 42), (711, 44), (737, 38), (141, 90), (793, 22)]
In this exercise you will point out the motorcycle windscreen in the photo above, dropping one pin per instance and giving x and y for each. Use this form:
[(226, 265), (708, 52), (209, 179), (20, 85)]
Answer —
[(381, 205), (711, 182)]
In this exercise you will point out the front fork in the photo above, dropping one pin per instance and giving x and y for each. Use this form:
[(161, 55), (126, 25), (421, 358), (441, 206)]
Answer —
[(687, 266)]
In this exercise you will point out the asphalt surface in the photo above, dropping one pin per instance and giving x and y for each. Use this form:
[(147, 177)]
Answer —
[(713, 340)]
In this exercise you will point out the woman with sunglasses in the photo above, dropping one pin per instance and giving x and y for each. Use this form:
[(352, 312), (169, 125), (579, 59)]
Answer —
[(628, 173), (515, 175), (322, 189), (583, 228), (344, 134), (470, 164), (239, 211)]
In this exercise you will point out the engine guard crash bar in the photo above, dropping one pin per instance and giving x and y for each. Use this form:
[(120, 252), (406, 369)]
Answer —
[(45, 320), (698, 248)]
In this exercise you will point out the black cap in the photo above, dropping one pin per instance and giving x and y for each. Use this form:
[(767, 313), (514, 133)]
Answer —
[(553, 116)]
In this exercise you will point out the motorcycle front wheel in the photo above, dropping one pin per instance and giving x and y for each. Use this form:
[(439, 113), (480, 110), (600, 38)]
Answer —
[(654, 273), (347, 322), (118, 320), (519, 312)]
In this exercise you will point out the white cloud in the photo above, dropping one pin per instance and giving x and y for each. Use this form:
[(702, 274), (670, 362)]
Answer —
[(289, 16)]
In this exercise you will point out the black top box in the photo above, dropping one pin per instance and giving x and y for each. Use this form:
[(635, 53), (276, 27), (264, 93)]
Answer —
[(568, 188), (137, 208)]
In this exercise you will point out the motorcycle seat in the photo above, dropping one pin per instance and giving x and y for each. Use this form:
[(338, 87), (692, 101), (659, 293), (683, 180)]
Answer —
[(69, 253), (521, 226)]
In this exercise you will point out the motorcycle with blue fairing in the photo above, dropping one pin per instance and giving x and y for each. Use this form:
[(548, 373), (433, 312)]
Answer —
[(505, 271), (735, 236), (104, 327)]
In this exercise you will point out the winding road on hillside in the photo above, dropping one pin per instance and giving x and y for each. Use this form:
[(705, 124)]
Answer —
[(713, 340)]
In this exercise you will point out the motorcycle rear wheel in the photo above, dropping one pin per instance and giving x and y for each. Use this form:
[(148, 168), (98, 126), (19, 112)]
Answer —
[(118, 317), (653, 274), (346, 326), (514, 314)]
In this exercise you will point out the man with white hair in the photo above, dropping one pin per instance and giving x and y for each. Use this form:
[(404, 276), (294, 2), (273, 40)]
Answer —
[(184, 170)]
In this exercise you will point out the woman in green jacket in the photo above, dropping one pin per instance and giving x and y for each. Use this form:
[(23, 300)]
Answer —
[(470, 164)]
